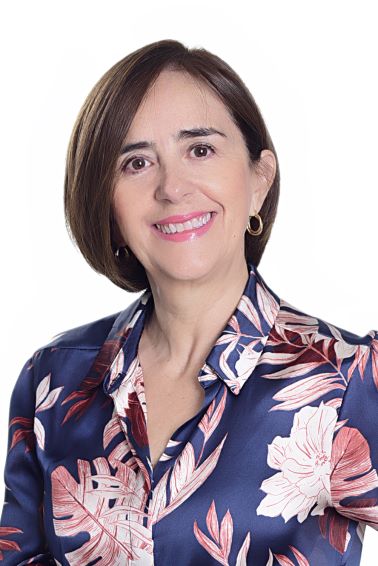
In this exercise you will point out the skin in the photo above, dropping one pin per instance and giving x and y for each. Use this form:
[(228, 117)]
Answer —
[(196, 284)]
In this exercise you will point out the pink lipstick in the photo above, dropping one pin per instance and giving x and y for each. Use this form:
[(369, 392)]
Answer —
[(186, 234)]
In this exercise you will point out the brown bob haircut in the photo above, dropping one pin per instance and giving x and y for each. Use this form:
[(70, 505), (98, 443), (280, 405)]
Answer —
[(98, 136)]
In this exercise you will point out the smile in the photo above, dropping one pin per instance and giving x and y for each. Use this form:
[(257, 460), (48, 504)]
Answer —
[(196, 222), (189, 230)]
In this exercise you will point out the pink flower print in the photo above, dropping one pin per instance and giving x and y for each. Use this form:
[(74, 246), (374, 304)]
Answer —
[(304, 461)]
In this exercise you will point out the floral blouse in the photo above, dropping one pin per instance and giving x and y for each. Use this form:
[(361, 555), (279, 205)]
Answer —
[(278, 467)]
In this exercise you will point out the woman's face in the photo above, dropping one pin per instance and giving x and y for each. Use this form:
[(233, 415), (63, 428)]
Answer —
[(182, 172)]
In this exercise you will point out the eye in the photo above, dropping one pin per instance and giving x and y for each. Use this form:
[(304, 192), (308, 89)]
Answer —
[(138, 164), (203, 149)]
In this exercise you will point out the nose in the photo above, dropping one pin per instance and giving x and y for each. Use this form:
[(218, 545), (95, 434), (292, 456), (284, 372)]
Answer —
[(174, 183)]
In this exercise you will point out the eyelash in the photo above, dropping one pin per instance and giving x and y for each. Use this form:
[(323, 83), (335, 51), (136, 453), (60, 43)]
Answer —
[(136, 171)]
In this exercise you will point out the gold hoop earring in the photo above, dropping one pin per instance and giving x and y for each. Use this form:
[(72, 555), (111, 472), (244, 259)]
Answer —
[(259, 229)]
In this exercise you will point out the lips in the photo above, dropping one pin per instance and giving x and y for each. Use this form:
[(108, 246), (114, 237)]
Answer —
[(192, 234), (181, 218)]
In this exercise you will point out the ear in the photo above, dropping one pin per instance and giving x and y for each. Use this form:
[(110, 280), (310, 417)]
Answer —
[(263, 177)]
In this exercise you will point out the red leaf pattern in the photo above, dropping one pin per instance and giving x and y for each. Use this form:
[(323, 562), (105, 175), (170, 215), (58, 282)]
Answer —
[(219, 548)]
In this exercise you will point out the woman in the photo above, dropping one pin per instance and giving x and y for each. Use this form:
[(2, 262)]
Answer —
[(210, 422)]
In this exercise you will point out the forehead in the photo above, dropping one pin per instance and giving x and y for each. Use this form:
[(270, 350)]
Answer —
[(178, 100)]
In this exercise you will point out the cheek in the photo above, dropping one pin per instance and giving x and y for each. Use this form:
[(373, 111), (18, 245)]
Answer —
[(236, 190), (129, 212), (121, 209)]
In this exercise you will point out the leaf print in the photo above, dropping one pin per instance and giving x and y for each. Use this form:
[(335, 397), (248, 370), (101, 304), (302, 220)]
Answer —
[(207, 374), (81, 507), (301, 559), (185, 465), (283, 560), (220, 549), (352, 476), (270, 559), (210, 547), (226, 530), (27, 434), (223, 364), (267, 304), (243, 366), (360, 361), (126, 387), (159, 500), (39, 432), (45, 399), (335, 402), (212, 522), (335, 526), (111, 429), (183, 470), (8, 544), (171, 443), (374, 360), (304, 459), (85, 395), (297, 322), (241, 559), (342, 348), (227, 338), (310, 355), (290, 372), (128, 403), (247, 360), (192, 483), (249, 310), (123, 449), (212, 417), (283, 357), (135, 414), (306, 390)]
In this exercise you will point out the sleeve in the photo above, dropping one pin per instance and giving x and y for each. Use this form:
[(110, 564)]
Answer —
[(354, 459), (22, 539)]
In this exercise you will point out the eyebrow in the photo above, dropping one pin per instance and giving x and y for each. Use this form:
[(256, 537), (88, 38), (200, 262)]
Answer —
[(182, 134)]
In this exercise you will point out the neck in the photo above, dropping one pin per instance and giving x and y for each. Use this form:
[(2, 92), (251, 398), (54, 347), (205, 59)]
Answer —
[(188, 317)]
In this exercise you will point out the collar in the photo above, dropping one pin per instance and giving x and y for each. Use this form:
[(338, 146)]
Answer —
[(233, 357)]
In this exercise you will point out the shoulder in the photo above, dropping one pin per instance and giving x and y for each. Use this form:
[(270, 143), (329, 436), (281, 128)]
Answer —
[(312, 328), (91, 335), (69, 356), (325, 350)]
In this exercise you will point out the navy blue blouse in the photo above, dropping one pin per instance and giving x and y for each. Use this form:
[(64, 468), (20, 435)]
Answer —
[(279, 466)]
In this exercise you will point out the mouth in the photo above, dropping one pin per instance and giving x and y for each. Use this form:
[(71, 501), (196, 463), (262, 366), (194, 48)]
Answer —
[(186, 225), (189, 231)]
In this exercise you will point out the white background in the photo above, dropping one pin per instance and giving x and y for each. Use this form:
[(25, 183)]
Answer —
[(311, 67)]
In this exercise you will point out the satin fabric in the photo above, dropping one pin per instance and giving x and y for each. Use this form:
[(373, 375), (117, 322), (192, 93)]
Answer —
[(278, 467)]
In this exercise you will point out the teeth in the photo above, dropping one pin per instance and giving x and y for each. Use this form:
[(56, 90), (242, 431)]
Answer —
[(188, 225)]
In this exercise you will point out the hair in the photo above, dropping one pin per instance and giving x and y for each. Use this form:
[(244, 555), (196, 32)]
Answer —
[(97, 139)]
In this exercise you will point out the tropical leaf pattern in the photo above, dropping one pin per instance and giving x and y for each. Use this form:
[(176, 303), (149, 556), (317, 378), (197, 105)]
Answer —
[(279, 465)]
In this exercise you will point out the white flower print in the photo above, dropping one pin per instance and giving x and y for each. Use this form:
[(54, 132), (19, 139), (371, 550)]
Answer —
[(304, 461)]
